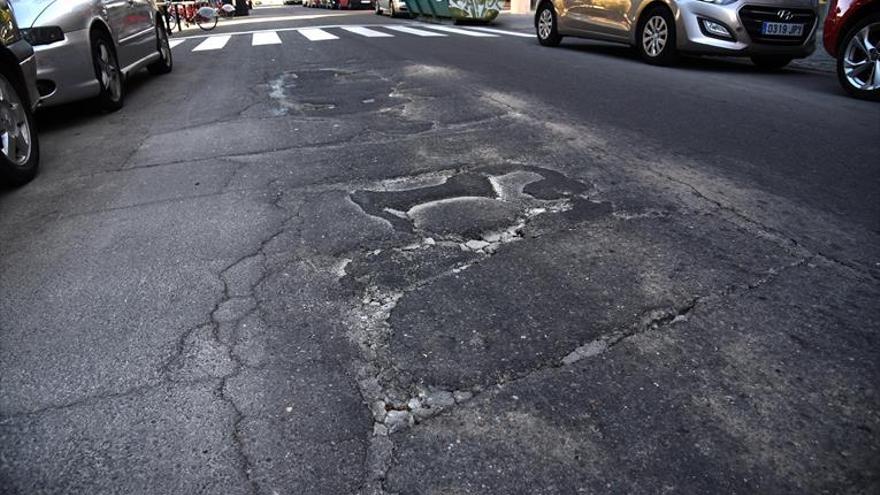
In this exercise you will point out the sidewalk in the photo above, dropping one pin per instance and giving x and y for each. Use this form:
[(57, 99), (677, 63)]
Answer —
[(819, 61)]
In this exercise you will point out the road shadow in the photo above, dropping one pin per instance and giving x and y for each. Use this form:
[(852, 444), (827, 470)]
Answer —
[(805, 78), (84, 111)]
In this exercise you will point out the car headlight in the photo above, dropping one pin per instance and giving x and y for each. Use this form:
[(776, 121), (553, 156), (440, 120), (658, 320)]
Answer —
[(9, 33), (719, 2), (43, 35)]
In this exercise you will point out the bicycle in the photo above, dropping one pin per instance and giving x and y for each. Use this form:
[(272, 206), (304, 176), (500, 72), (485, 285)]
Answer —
[(199, 13)]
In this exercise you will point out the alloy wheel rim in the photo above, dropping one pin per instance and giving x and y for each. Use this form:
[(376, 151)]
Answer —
[(110, 77), (861, 59), (655, 35), (545, 24), (15, 132)]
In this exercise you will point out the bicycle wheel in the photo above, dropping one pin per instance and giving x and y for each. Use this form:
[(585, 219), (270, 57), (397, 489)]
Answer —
[(171, 21), (206, 23)]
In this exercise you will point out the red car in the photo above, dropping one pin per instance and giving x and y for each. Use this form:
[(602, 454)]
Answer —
[(852, 35)]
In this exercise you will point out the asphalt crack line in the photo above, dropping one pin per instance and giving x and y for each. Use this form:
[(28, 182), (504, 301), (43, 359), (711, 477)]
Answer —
[(777, 236), (394, 410)]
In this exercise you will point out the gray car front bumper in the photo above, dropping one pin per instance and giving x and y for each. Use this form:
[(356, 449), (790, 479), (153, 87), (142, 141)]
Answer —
[(692, 39), (68, 66)]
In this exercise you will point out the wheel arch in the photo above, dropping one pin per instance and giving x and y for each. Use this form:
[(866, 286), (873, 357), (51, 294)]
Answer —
[(640, 10), (871, 8), (9, 65), (540, 4), (98, 25)]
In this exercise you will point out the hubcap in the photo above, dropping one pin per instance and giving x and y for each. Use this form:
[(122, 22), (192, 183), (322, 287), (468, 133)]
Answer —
[(15, 134), (111, 79), (545, 24), (654, 35), (861, 59)]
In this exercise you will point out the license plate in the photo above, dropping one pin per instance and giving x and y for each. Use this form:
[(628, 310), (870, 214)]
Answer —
[(782, 29)]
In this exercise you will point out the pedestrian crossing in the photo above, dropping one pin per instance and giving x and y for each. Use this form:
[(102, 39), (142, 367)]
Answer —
[(207, 43), (265, 38), (317, 34), (213, 43)]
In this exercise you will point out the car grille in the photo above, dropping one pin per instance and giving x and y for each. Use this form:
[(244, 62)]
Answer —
[(752, 18)]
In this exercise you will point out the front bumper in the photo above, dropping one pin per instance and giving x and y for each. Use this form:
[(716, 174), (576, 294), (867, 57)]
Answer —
[(65, 71), (23, 52), (692, 38)]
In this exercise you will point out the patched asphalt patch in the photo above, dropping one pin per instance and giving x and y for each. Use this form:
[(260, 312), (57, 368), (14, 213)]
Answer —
[(492, 322), (397, 270)]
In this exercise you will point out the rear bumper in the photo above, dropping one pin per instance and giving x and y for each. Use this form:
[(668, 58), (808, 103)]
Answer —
[(68, 66), (693, 39)]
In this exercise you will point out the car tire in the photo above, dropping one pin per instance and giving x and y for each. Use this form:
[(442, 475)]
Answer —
[(165, 64), (855, 82), (15, 112), (771, 62), (546, 25), (656, 37), (110, 78)]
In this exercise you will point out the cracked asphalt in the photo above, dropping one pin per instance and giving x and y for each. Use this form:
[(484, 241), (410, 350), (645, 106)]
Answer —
[(458, 265)]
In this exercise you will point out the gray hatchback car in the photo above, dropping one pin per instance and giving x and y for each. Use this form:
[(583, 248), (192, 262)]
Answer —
[(771, 32), (86, 48)]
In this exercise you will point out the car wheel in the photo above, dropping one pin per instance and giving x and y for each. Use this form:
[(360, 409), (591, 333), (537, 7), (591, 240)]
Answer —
[(110, 78), (19, 148), (166, 62), (655, 37), (771, 62), (546, 25), (858, 59)]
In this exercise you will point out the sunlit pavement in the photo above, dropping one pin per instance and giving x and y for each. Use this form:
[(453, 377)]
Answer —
[(318, 259)]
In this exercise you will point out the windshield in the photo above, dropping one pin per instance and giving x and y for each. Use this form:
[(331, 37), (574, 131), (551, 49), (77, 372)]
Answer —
[(27, 11)]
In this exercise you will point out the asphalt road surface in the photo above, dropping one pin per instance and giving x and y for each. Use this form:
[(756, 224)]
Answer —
[(357, 258)]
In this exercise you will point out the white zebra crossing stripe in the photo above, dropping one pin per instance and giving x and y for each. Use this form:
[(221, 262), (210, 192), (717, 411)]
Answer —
[(462, 31), (417, 32), (265, 38), (369, 33), (321, 33), (316, 34), (212, 43), (501, 31)]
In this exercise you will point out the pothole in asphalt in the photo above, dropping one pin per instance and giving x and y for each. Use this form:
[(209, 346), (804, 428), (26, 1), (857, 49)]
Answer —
[(328, 92), (465, 216), (469, 204), (394, 205), (460, 221)]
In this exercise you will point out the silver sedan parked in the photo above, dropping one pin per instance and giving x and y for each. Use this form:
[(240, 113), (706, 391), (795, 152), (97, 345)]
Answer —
[(86, 48), (19, 146), (771, 32)]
